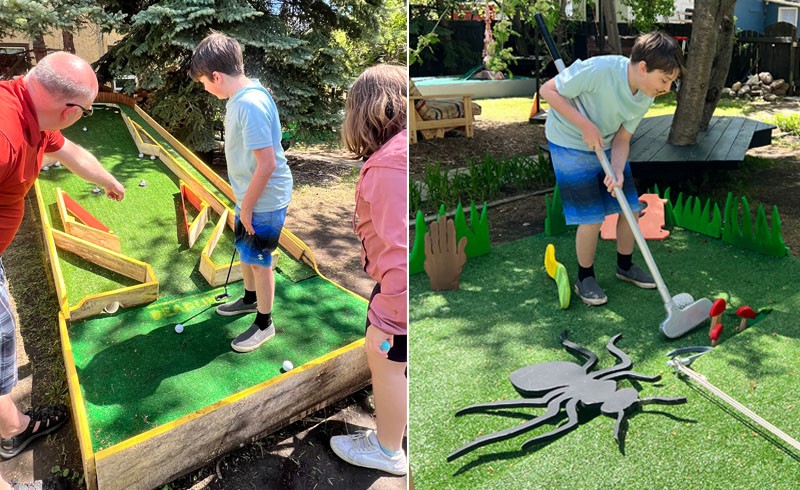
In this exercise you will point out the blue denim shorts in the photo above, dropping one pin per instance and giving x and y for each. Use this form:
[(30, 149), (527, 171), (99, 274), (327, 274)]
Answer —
[(580, 179), (257, 249), (8, 346)]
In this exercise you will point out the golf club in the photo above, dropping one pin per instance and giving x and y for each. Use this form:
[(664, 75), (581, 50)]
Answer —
[(683, 312), (225, 295)]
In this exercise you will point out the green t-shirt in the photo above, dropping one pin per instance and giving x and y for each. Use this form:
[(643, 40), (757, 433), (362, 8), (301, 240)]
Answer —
[(602, 84)]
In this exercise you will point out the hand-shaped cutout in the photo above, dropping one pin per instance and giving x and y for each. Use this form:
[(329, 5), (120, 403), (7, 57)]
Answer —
[(443, 260)]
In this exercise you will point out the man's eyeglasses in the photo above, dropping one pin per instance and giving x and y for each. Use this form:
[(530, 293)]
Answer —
[(86, 112)]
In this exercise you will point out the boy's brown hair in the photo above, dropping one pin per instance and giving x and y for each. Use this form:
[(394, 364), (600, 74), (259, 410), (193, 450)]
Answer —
[(660, 51), (375, 110), (217, 52)]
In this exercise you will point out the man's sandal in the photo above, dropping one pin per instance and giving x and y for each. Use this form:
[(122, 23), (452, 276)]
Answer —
[(50, 419)]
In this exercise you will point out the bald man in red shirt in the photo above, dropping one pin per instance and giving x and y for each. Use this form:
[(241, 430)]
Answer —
[(56, 93)]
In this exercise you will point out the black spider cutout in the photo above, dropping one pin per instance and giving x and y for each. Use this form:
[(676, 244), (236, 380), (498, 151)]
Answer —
[(559, 383)]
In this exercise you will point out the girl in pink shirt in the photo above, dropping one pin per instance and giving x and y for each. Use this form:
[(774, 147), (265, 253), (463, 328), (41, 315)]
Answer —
[(375, 130)]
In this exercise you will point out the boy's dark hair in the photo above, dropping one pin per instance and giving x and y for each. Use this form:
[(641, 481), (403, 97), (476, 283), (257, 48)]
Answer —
[(660, 51), (217, 52)]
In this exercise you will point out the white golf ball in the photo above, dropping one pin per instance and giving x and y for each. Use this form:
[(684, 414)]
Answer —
[(179, 328), (45, 168), (84, 128), (141, 155), (288, 366), (142, 183), (57, 164), (152, 157), (96, 190)]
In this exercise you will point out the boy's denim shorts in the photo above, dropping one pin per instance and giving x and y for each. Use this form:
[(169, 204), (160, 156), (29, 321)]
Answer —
[(257, 249), (580, 177)]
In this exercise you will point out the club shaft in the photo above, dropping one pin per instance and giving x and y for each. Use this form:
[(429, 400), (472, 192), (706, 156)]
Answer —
[(735, 404)]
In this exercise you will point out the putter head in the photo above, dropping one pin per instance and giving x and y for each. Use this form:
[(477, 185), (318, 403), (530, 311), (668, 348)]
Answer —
[(683, 315), (222, 296)]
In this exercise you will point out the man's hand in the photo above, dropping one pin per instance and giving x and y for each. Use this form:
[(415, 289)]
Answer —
[(246, 218), (115, 191), (443, 260)]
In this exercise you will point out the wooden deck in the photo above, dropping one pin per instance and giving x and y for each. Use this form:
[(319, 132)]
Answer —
[(722, 146)]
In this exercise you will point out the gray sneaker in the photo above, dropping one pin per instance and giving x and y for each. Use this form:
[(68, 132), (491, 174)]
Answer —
[(252, 338), (236, 307), (590, 292), (637, 276)]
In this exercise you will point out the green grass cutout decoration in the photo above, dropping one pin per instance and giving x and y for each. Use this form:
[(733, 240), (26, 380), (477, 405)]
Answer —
[(762, 238), (555, 223), (476, 231), (416, 259)]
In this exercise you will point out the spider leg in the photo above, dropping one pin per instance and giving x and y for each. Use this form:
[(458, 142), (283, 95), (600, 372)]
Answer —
[(624, 361), (632, 375), (519, 403), (552, 410), (660, 400), (579, 350), (618, 424), (572, 413)]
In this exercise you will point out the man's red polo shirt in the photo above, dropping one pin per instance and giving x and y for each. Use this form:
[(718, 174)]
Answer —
[(22, 146)]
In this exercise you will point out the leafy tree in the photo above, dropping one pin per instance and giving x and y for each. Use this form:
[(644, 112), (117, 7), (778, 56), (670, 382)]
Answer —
[(297, 48), (35, 18)]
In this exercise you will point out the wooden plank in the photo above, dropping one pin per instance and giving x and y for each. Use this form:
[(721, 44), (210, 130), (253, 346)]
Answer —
[(189, 156), (92, 235), (116, 262), (762, 136), (720, 150), (649, 146), (78, 407), (198, 224), (742, 142), (52, 253), (132, 296), (697, 152), (648, 125), (150, 459)]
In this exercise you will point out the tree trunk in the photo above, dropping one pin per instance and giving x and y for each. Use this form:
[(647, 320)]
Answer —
[(612, 29), (69, 41), (39, 47), (688, 119), (722, 61)]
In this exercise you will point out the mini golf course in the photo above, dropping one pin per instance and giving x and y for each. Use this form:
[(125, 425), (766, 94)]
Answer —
[(151, 403), (507, 315)]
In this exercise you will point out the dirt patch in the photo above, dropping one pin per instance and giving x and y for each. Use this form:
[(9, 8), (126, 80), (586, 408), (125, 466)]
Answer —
[(497, 139)]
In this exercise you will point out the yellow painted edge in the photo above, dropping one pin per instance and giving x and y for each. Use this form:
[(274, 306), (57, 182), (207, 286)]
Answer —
[(78, 404), (50, 245), (190, 157), (161, 429)]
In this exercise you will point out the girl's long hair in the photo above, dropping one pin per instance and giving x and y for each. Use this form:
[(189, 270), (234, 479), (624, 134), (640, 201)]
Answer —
[(375, 110)]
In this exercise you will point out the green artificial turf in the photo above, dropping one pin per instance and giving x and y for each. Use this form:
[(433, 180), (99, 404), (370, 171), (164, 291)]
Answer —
[(506, 316), (137, 373)]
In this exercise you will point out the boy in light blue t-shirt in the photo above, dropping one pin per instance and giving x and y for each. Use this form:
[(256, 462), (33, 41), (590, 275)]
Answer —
[(261, 180), (616, 93)]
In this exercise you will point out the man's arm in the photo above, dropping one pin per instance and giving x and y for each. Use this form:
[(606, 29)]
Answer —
[(86, 166), (265, 165)]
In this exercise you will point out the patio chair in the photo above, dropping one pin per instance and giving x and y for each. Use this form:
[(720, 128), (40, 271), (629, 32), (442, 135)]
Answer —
[(434, 115)]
